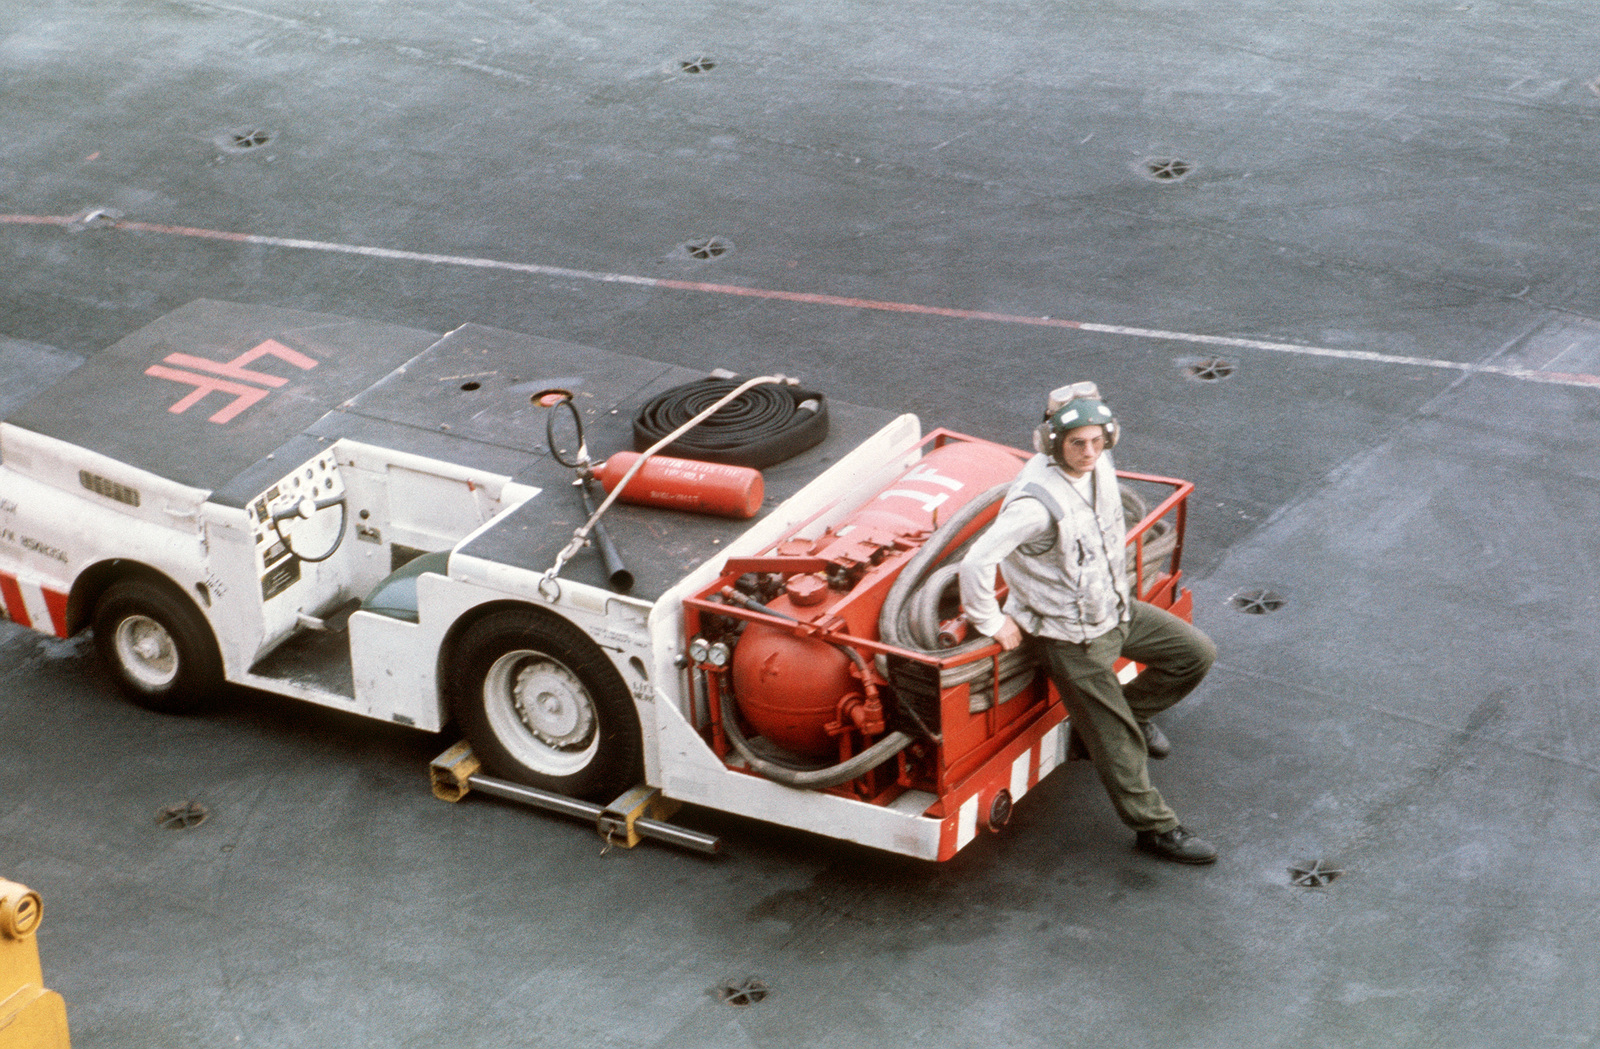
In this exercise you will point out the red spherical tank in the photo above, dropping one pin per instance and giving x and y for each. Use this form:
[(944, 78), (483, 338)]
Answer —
[(789, 687)]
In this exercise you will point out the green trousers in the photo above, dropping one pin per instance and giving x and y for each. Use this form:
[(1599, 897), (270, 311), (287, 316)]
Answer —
[(1107, 717)]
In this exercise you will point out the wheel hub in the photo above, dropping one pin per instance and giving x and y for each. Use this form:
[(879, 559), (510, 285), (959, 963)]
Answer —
[(541, 712), (553, 705), (146, 651)]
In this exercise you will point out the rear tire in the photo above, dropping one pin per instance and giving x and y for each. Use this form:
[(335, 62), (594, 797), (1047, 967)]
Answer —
[(541, 704), (158, 646)]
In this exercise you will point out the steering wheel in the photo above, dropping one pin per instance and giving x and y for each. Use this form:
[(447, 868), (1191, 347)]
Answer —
[(306, 508)]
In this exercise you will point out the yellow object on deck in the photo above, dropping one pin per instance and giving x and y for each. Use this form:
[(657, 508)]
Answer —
[(31, 1015)]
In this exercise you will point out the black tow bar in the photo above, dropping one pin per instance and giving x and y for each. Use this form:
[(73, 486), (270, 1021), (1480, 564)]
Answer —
[(640, 813)]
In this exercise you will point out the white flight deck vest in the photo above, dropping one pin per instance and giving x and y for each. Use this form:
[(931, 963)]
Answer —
[(1071, 584)]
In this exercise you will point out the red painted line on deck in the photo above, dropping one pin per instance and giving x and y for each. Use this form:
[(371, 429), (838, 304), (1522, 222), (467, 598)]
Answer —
[(816, 299), (97, 220), (184, 231)]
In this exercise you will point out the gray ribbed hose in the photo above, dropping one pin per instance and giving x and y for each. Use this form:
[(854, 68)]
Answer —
[(917, 590), (910, 615)]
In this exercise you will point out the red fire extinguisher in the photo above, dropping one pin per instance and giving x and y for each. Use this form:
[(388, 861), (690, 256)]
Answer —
[(685, 484)]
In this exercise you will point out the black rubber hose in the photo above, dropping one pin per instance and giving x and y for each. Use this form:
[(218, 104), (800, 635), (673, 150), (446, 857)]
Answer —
[(1159, 541), (810, 779), (764, 425), (893, 618), (617, 573), (765, 748), (581, 461)]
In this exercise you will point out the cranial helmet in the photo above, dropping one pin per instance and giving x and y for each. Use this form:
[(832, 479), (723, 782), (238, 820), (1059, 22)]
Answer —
[(1070, 407)]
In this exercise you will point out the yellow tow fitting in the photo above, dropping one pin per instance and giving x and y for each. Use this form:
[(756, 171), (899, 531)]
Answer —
[(31, 1015)]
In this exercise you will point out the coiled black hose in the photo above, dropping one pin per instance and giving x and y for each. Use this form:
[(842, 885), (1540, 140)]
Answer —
[(765, 425)]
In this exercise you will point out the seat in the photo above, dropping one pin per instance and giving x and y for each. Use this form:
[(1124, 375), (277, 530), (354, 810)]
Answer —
[(396, 596)]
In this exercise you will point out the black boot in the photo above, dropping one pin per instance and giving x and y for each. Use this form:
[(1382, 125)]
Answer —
[(1177, 845)]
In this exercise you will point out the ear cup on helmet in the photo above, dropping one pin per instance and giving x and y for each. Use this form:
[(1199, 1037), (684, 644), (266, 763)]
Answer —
[(1041, 437)]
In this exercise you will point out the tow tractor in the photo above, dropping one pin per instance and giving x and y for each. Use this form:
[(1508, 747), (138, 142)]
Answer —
[(413, 528)]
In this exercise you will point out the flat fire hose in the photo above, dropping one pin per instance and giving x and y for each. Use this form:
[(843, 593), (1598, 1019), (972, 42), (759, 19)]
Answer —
[(762, 426)]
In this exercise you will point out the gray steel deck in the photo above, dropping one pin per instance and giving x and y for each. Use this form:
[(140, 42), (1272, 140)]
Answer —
[(1391, 211)]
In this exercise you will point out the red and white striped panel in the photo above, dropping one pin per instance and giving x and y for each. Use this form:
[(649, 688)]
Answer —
[(29, 604), (1017, 769)]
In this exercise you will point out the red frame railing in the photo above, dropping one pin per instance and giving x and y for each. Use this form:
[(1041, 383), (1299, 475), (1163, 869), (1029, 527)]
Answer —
[(1162, 591)]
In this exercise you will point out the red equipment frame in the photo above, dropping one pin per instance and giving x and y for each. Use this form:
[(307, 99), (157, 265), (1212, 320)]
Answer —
[(971, 751)]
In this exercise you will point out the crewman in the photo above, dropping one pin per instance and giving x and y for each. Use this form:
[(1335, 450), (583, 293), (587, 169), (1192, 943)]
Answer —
[(1059, 544)]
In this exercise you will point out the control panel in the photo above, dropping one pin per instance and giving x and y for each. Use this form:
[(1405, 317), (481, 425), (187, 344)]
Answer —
[(300, 519)]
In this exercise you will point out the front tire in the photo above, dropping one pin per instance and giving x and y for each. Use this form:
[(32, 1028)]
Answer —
[(541, 704), (159, 647)]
